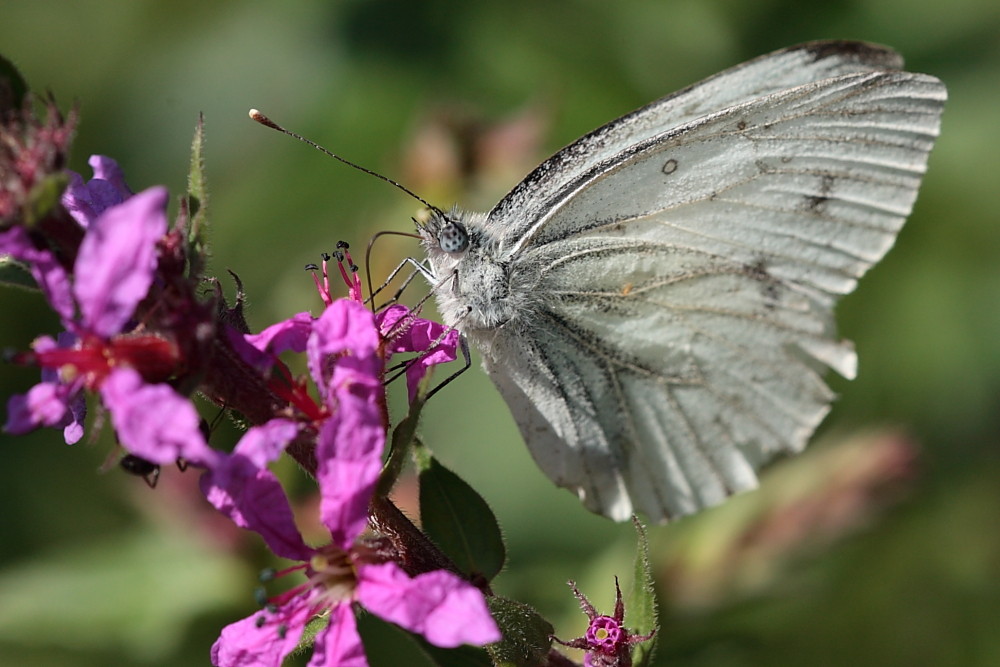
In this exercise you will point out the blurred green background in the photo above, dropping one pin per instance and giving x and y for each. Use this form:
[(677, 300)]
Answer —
[(879, 545)]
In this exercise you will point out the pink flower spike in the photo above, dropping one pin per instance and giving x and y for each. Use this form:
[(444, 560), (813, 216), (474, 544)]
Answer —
[(117, 258), (444, 608), (153, 421)]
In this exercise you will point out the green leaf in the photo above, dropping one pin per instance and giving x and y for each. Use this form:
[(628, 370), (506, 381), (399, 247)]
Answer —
[(13, 87), (458, 520), (388, 645), (402, 438), (15, 274), (640, 612), (44, 196), (526, 635), (197, 201)]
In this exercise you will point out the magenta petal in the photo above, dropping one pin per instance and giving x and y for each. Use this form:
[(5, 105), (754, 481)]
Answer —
[(291, 334), (264, 444), (45, 404), (153, 421), (340, 644), (387, 318), (444, 608), (52, 279), (248, 493), (86, 201), (117, 258), (349, 452), (244, 644), (344, 334), (106, 169), (261, 350), (417, 335)]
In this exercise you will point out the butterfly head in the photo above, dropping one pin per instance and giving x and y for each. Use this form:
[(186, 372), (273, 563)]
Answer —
[(452, 237), (445, 232)]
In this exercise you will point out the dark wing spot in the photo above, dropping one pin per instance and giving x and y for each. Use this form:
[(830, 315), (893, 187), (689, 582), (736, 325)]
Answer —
[(742, 125), (768, 283), (816, 203)]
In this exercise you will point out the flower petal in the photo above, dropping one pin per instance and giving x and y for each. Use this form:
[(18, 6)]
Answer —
[(264, 444), (349, 454), (444, 608), (106, 169), (86, 201), (242, 488), (340, 645), (117, 258), (344, 335), (290, 334), (247, 644), (52, 279), (153, 421), (261, 350), (45, 404), (417, 335)]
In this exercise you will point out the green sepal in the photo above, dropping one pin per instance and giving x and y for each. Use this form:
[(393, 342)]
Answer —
[(44, 197), (197, 202), (640, 612), (458, 520), (527, 637), (13, 87), (315, 626)]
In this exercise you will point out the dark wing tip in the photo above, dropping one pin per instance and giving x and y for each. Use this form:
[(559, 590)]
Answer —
[(864, 53)]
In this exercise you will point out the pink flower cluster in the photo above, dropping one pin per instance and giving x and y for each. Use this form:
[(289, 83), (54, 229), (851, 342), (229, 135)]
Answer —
[(110, 349)]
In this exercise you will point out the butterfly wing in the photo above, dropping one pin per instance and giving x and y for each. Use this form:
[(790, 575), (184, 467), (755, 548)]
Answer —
[(780, 70), (683, 289)]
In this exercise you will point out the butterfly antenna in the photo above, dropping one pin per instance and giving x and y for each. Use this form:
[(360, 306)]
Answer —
[(267, 122)]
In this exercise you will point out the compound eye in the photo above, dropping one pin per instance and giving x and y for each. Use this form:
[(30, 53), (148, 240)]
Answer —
[(453, 238)]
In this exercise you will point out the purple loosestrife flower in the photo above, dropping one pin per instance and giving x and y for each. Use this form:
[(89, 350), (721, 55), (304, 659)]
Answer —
[(345, 360), (607, 642), (113, 271)]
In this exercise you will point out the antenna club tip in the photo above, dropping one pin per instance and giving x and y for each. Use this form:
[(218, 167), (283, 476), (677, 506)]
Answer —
[(262, 119)]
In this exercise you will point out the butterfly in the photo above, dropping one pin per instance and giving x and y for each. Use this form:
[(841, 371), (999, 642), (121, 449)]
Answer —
[(655, 301)]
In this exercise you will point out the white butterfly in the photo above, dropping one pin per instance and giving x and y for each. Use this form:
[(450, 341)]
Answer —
[(655, 301)]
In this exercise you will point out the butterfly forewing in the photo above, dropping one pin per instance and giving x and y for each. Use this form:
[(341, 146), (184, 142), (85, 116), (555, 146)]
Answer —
[(675, 285), (774, 72)]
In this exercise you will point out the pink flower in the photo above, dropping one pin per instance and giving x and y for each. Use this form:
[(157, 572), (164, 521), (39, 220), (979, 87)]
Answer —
[(343, 348), (607, 642), (113, 272)]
